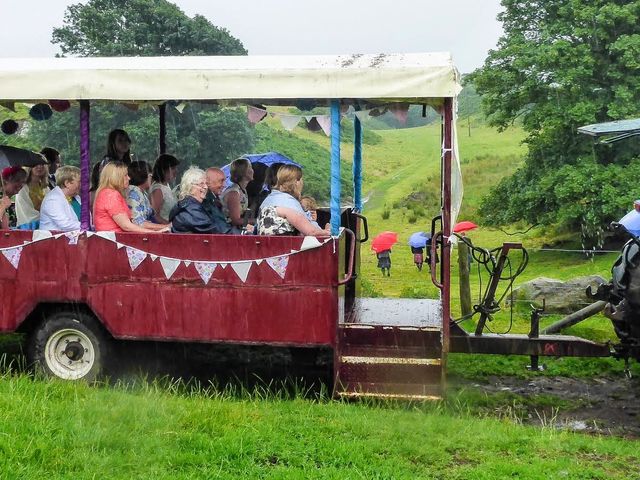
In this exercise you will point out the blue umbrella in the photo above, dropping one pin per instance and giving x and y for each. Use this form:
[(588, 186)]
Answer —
[(419, 239), (267, 159), (631, 222)]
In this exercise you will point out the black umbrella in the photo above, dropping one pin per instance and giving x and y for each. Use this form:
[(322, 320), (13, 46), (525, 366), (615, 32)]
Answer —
[(19, 157)]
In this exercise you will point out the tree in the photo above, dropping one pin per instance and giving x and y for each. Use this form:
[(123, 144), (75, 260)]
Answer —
[(561, 64), (203, 135)]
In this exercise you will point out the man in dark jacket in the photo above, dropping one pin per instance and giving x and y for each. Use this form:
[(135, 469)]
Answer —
[(212, 204)]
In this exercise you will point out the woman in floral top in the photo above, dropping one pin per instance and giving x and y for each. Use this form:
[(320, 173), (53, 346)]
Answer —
[(139, 181)]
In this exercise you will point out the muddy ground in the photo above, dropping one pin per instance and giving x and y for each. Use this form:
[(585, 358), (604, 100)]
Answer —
[(609, 406)]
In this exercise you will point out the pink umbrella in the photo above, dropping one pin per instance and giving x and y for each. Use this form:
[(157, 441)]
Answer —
[(464, 227)]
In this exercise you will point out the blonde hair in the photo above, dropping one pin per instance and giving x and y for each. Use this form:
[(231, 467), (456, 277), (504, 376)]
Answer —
[(66, 174), (113, 176), (44, 181), (287, 180), (191, 177), (308, 203)]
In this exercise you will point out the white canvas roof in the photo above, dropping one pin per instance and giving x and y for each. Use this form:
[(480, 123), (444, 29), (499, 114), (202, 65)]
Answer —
[(416, 77)]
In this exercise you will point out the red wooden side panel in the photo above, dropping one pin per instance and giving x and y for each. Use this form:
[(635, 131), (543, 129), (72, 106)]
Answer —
[(301, 309)]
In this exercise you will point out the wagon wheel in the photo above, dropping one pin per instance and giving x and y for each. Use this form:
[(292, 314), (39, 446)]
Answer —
[(69, 346)]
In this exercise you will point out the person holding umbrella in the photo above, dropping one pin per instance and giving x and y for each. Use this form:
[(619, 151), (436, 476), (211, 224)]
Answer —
[(13, 179), (418, 242), (381, 245)]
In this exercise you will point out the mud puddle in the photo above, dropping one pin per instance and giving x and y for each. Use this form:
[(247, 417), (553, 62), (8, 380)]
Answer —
[(609, 406)]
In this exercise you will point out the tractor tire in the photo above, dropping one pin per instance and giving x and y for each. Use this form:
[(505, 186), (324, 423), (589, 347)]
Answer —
[(69, 346)]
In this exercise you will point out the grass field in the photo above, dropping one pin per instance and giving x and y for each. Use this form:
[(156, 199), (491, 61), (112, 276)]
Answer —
[(166, 429), (50, 429)]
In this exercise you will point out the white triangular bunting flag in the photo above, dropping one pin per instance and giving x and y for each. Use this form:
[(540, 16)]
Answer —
[(242, 269), (13, 255), (153, 257), (135, 257), (223, 265), (58, 235), (41, 235), (279, 265), (89, 233), (180, 107), (309, 243), (289, 122), (169, 266), (259, 261), (187, 263), (205, 270), (119, 245), (111, 236), (325, 123)]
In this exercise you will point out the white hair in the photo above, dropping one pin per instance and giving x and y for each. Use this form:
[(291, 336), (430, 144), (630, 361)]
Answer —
[(191, 177)]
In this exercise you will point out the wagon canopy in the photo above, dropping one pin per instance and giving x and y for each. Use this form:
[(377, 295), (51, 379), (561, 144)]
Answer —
[(413, 77)]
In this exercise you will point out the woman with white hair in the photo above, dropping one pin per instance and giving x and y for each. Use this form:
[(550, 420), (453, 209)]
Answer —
[(56, 212), (188, 216)]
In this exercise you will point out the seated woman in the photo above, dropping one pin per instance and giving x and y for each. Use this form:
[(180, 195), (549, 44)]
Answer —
[(162, 199), (281, 212), (29, 199), (56, 212), (188, 215), (139, 182), (13, 179), (235, 200), (110, 209), (118, 148)]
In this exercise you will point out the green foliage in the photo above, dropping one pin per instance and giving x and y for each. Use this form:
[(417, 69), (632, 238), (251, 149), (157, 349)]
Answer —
[(559, 65), (114, 28), (314, 158), (204, 135), (386, 213)]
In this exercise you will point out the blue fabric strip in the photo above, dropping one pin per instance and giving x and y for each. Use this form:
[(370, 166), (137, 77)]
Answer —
[(357, 164), (335, 167)]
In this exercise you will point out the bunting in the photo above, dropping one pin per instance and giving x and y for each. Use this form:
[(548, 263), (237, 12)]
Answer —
[(136, 256), (13, 255)]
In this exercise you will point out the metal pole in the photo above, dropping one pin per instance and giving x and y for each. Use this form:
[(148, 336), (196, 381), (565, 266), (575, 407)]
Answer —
[(85, 165), (163, 127), (335, 167), (447, 153), (357, 164)]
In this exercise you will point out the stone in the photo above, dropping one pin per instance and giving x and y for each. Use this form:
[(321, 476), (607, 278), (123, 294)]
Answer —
[(559, 296)]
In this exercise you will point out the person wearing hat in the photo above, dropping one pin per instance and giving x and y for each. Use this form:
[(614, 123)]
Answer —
[(13, 179)]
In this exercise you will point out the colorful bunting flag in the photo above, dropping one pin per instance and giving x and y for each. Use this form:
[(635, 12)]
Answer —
[(135, 256), (13, 255), (279, 264), (255, 114), (205, 270)]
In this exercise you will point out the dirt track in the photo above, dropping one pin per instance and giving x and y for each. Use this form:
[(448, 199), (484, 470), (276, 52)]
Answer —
[(609, 406)]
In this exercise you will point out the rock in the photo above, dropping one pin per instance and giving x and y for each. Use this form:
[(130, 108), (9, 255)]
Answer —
[(559, 296)]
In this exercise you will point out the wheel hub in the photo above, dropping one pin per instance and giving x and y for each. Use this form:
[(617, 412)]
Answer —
[(74, 351), (70, 354)]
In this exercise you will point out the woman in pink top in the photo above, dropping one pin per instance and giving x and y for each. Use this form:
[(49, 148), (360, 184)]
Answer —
[(110, 209)]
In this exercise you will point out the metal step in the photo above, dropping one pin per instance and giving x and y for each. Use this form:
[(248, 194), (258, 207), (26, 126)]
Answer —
[(388, 362)]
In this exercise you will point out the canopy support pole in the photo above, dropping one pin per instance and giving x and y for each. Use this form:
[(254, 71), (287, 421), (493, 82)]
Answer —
[(357, 164), (335, 167), (447, 154), (85, 165), (163, 128)]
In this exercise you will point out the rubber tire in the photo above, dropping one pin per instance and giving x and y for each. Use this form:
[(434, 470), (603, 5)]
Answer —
[(55, 324)]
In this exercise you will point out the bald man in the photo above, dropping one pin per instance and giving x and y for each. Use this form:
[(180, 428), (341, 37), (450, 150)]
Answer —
[(213, 205)]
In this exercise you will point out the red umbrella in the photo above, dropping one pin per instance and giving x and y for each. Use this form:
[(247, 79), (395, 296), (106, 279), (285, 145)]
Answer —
[(384, 241), (464, 226)]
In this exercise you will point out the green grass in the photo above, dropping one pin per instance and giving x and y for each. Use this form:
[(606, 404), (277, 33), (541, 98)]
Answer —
[(63, 430)]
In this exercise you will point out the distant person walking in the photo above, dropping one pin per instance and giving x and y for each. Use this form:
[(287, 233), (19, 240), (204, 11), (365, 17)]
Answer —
[(384, 262)]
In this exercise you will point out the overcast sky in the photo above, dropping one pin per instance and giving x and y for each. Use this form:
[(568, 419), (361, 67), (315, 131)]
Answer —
[(466, 28)]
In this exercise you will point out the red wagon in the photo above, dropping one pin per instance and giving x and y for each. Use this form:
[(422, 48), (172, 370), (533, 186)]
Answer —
[(71, 293)]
